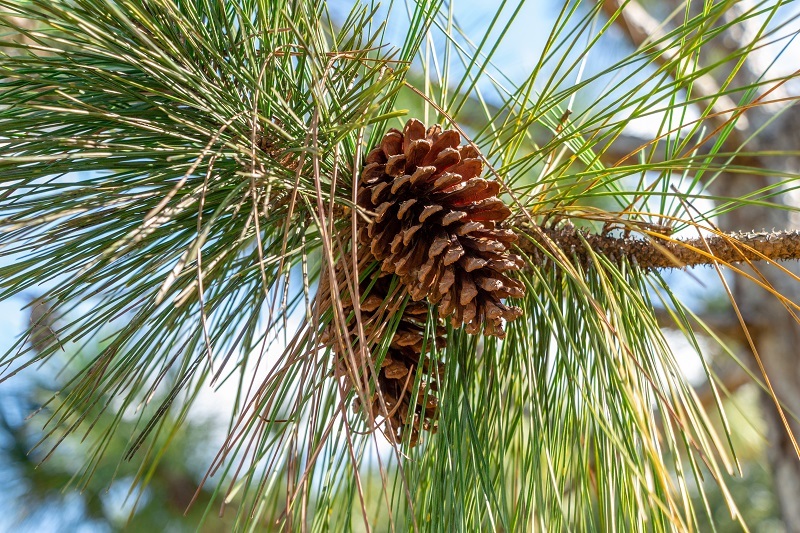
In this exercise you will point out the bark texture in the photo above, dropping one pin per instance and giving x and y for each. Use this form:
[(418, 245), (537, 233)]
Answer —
[(657, 253)]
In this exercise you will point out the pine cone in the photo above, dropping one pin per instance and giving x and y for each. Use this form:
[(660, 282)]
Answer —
[(399, 367), (273, 149), (405, 353), (436, 225)]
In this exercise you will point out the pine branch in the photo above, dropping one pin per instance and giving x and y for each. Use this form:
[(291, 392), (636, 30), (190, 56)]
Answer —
[(654, 253)]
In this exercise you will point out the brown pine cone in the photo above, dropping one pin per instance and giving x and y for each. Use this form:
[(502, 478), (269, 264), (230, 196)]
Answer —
[(398, 369), (436, 225), (405, 353), (267, 144)]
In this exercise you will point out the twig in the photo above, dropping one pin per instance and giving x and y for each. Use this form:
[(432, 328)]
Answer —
[(658, 252)]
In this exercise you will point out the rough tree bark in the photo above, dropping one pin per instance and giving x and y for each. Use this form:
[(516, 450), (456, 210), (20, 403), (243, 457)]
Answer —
[(658, 251)]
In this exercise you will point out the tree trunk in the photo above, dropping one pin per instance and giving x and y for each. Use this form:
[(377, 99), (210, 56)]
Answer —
[(774, 328)]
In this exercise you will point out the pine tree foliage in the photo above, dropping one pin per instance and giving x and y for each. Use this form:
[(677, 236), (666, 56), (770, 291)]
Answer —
[(187, 172)]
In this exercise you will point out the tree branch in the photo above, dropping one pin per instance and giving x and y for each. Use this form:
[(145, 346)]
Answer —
[(657, 252), (643, 31)]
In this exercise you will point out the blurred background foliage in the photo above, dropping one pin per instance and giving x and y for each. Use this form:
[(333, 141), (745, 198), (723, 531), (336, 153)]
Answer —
[(52, 489)]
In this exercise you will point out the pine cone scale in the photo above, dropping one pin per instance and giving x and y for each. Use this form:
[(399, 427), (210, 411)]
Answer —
[(454, 252), (446, 158), (445, 140), (428, 211), (421, 175), (396, 165), (417, 151), (445, 182), (453, 216), (392, 143)]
